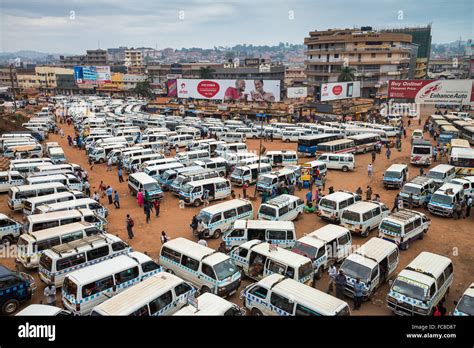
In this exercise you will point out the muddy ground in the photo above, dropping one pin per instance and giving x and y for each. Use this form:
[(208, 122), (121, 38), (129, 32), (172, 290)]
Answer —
[(448, 237)]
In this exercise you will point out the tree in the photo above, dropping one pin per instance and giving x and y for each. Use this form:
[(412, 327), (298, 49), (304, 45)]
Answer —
[(346, 75), (207, 72), (143, 89)]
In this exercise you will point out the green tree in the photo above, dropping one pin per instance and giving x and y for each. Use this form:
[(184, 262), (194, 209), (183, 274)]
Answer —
[(143, 89), (346, 75), (207, 72)]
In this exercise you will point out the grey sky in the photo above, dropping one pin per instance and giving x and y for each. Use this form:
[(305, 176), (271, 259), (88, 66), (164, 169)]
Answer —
[(50, 26)]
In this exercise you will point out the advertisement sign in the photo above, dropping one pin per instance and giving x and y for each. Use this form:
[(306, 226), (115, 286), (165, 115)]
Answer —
[(340, 90), (297, 92), (92, 75), (230, 90), (252, 61), (432, 91), (172, 85), (103, 74)]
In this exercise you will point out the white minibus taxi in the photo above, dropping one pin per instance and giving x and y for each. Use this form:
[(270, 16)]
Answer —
[(182, 140), (60, 260), (31, 204), (364, 216), (160, 294), (278, 295), (192, 193), (221, 149), (421, 285), (69, 180), (465, 305), (10, 179), (32, 245), (188, 157), (395, 176), (331, 206), (184, 178), (90, 286), (257, 259), (343, 161), (9, 229), (218, 218), (281, 208), (157, 171), (57, 155), (218, 164), (282, 158), (373, 263), (82, 203), (143, 182), (442, 174), (209, 304), (206, 268), (281, 233), (249, 174), (18, 194), (445, 198)]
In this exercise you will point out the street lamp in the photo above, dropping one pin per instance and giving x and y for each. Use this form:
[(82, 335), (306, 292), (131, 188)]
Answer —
[(261, 117)]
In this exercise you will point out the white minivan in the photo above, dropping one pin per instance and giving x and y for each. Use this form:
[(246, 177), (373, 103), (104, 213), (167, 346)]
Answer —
[(10, 179), (362, 217), (192, 193), (343, 161), (331, 206), (281, 208), (442, 174)]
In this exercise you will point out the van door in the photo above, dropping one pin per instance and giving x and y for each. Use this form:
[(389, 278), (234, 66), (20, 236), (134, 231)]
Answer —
[(211, 189), (343, 246), (277, 160), (277, 237)]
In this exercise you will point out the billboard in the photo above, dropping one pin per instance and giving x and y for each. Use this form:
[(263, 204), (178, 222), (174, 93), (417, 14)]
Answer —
[(297, 92), (340, 90), (432, 91), (92, 75), (171, 84), (230, 90)]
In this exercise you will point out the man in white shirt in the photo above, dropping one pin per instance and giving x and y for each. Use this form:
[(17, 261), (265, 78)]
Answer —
[(50, 295), (109, 165), (202, 242), (332, 271)]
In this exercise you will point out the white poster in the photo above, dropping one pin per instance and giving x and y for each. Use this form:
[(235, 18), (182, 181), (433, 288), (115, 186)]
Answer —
[(340, 90), (446, 92), (230, 90), (297, 92)]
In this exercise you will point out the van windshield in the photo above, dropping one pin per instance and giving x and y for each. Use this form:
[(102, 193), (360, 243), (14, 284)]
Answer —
[(70, 288), (326, 203), (442, 199), (204, 217), (410, 289), (225, 269), (305, 250), (167, 174), (435, 175), (391, 227), (151, 187), (238, 172), (267, 210), (466, 305), (391, 174), (266, 180), (46, 262), (356, 270), (421, 150), (187, 188), (411, 189)]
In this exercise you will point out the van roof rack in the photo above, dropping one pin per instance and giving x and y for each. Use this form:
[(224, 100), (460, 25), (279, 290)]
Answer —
[(76, 244), (420, 180), (279, 201), (403, 215), (429, 274)]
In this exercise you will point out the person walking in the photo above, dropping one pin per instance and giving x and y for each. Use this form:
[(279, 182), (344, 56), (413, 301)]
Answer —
[(140, 198), (120, 174), (374, 155), (340, 284), (435, 154), (109, 192), (388, 153), (410, 201), (205, 197), (156, 205), (147, 209), (358, 293), (87, 188), (309, 197), (359, 192), (244, 189), (50, 295), (130, 223), (368, 193), (194, 225), (96, 196), (332, 271), (164, 237), (422, 172), (395, 203), (116, 199), (109, 164), (369, 169), (468, 207), (463, 208)]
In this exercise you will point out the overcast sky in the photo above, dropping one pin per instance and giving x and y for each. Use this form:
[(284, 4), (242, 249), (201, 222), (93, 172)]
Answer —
[(72, 26)]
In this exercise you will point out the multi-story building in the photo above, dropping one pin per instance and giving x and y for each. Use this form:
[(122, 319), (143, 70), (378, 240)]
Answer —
[(116, 55), (27, 79), (130, 80), (295, 76), (47, 76), (96, 57), (6, 76), (72, 61), (455, 67), (376, 57), (65, 84), (133, 58)]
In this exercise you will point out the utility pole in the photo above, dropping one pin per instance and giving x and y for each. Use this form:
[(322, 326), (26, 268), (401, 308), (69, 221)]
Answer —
[(261, 116), (13, 87)]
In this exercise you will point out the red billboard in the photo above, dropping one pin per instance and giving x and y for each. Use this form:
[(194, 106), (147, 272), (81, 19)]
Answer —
[(172, 88)]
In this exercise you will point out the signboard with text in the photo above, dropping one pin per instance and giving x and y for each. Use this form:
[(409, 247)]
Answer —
[(340, 90)]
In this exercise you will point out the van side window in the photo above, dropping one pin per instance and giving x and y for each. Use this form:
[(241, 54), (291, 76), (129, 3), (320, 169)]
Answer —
[(374, 273), (71, 220), (72, 236), (281, 235), (97, 286), (125, 276), (343, 240), (118, 246), (48, 243), (98, 253), (243, 252), (448, 271), (215, 218), (161, 302), (207, 270), (440, 281), (366, 216), (149, 266), (182, 289), (230, 214), (281, 303), (190, 263), (276, 267), (91, 231), (70, 261), (260, 292), (304, 311), (392, 258)]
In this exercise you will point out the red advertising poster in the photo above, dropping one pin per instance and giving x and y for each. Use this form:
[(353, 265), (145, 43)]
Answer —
[(172, 88), (405, 89)]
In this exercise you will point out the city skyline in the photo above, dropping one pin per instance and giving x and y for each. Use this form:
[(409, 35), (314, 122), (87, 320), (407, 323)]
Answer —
[(73, 27)]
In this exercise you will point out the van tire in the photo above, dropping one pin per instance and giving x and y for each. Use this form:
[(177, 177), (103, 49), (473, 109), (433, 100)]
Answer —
[(345, 169), (421, 236), (256, 312), (287, 140), (205, 289), (319, 273), (10, 307), (101, 160), (7, 240), (404, 246), (365, 233), (197, 202), (170, 271), (217, 234)]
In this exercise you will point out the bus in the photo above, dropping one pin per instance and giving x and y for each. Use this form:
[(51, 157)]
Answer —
[(463, 160), (365, 142), (308, 145), (338, 146), (468, 134), (448, 132)]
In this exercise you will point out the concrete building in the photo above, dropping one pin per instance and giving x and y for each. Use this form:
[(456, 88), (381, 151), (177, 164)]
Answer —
[(376, 56), (65, 84), (130, 81), (96, 57), (28, 80), (47, 76), (133, 58), (6, 77), (454, 68), (295, 76), (116, 55)]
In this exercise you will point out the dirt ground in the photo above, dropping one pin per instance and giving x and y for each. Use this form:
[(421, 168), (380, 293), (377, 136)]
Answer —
[(446, 236)]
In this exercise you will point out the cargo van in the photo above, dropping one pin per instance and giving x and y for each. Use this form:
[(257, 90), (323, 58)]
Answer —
[(188, 157), (208, 270), (465, 305), (249, 174), (185, 178), (18, 194), (160, 294), (143, 182), (442, 174), (282, 158), (88, 287), (31, 204), (267, 182), (192, 193), (69, 180), (330, 207), (82, 203), (60, 260), (421, 188), (281, 233), (156, 171), (279, 295), (281, 208), (211, 305), (364, 216), (32, 245), (218, 164), (219, 218), (9, 179), (9, 229), (257, 259), (445, 198), (395, 176), (421, 285), (373, 263), (404, 226), (342, 161)]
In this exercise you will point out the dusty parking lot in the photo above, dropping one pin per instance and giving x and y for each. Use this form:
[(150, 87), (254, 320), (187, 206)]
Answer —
[(448, 237)]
